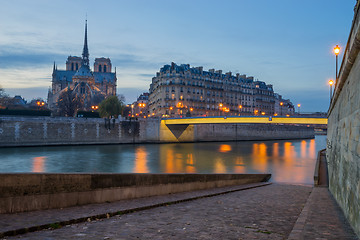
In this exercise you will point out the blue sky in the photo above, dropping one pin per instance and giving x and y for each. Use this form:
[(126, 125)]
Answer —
[(286, 43)]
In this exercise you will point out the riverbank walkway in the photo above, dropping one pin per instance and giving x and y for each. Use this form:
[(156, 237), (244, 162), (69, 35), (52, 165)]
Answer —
[(256, 211)]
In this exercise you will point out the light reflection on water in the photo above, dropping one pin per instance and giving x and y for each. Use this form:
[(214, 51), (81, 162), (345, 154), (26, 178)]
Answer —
[(287, 161)]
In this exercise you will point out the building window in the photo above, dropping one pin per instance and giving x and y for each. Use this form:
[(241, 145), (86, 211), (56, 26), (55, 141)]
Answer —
[(99, 68), (104, 68), (72, 66), (77, 66)]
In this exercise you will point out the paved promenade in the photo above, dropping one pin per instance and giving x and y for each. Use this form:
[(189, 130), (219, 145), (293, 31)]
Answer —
[(276, 211)]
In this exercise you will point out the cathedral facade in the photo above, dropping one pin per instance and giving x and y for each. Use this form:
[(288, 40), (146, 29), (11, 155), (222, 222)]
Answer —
[(79, 82)]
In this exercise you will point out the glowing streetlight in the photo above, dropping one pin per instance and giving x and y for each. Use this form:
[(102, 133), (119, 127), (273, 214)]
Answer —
[(331, 82), (240, 107), (336, 51), (220, 108), (281, 104), (299, 105)]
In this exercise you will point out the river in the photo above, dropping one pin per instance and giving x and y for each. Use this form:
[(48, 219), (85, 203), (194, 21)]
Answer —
[(290, 161)]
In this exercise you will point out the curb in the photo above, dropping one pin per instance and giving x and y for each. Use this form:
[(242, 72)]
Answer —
[(59, 224), (297, 231)]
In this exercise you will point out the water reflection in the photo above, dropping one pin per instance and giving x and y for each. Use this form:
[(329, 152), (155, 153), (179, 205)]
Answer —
[(288, 161), (38, 164), (224, 148), (190, 164), (219, 166), (140, 160)]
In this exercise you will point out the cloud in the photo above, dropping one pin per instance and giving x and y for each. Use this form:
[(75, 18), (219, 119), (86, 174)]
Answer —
[(20, 60)]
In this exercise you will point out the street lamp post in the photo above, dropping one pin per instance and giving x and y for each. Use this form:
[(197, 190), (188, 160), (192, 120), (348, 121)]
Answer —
[(299, 105), (336, 51), (331, 82), (281, 104)]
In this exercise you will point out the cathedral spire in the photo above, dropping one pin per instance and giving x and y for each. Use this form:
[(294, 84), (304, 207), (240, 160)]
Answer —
[(85, 54), (54, 67)]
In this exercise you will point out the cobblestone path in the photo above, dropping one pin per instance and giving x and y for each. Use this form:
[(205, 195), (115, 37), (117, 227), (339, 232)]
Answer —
[(268, 212)]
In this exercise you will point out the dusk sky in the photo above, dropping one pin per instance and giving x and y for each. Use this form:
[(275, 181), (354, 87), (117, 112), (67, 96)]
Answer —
[(285, 43)]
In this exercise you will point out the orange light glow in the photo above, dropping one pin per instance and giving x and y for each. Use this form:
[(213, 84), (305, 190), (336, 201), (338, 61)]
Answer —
[(331, 82), (263, 113), (191, 109), (38, 164), (239, 166), (190, 164), (140, 160), (275, 114), (240, 106), (221, 105), (224, 148), (260, 158), (219, 166), (281, 103), (276, 150), (299, 105), (337, 50), (303, 149)]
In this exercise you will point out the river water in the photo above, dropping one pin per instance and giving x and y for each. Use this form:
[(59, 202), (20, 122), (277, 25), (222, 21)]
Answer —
[(288, 161)]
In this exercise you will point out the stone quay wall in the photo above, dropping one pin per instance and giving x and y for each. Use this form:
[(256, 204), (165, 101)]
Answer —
[(36, 191), (343, 145), (43, 131)]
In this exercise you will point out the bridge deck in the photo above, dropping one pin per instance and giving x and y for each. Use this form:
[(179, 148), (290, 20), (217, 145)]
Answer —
[(274, 120)]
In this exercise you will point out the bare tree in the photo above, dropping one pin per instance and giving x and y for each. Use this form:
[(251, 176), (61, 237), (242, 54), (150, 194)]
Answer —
[(69, 103), (4, 98)]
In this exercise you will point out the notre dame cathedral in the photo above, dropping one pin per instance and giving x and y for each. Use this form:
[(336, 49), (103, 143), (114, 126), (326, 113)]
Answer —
[(89, 87)]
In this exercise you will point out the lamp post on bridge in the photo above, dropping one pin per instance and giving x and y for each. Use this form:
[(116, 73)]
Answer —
[(336, 51), (299, 105), (331, 82)]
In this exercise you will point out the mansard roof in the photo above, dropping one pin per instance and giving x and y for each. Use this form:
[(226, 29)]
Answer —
[(199, 70)]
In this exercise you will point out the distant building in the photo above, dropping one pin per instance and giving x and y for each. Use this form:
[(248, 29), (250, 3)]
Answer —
[(181, 90), (91, 86), (283, 106), (140, 107)]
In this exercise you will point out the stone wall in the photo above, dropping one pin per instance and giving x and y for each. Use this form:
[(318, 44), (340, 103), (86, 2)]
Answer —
[(236, 132), (343, 145), (37, 131), (34, 131), (29, 192)]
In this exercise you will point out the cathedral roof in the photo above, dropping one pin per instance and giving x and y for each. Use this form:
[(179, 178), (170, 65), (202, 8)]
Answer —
[(61, 75), (84, 71), (101, 76)]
